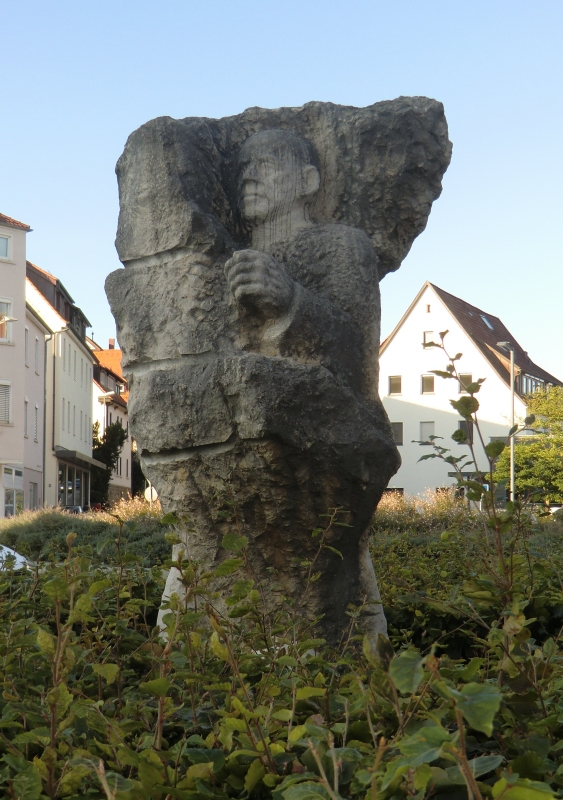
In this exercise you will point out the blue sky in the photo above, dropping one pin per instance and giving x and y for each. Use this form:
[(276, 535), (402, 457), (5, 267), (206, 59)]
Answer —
[(77, 77)]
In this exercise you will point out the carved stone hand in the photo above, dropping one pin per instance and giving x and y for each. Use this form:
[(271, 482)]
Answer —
[(259, 282)]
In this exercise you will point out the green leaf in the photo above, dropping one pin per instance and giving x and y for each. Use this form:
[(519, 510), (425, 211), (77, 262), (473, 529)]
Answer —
[(308, 790), (98, 586), (229, 566), (478, 766), (494, 449), (309, 691), (234, 543), (425, 745), (478, 703), (107, 671), (46, 642), (27, 784), (60, 698), (465, 406), (406, 671), (56, 589), (522, 790), (169, 519), (287, 661), (441, 374), (333, 550), (157, 688), (255, 773), (283, 715), (218, 648)]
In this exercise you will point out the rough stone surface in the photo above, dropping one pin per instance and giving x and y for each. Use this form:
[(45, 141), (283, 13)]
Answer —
[(248, 315)]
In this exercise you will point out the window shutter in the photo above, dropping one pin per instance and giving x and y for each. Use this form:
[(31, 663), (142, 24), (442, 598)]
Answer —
[(5, 389)]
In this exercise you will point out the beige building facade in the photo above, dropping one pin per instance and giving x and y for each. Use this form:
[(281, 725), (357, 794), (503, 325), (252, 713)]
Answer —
[(23, 335)]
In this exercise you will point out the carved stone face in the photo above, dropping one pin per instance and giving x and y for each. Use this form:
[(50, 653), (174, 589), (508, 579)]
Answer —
[(275, 175), (268, 187)]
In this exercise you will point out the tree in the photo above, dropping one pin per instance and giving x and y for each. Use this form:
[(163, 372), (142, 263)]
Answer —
[(538, 462), (106, 449)]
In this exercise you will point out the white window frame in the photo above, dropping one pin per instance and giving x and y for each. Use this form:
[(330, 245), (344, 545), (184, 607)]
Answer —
[(423, 440), (26, 346), (9, 385), (25, 417), (10, 253), (36, 423), (8, 338), (37, 355)]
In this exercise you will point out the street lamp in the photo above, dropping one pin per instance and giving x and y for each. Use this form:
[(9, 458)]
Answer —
[(510, 347)]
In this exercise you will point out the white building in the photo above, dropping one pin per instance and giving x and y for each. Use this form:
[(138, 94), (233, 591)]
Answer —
[(69, 375), (418, 403), (22, 378), (110, 397)]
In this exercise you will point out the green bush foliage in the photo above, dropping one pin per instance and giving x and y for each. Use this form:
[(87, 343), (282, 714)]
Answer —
[(34, 533), (464, 701), (97, 703)]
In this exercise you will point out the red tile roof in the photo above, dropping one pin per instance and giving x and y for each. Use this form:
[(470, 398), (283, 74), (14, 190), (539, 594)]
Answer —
[(486, 331), (110, 359), (13, 223)]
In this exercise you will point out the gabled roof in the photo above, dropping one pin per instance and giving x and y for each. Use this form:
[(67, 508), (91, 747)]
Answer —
[(110, 359), (485, 331), (13, 223)]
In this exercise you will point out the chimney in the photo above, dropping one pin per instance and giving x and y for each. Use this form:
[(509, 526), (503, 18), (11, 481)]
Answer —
[(111, 344)]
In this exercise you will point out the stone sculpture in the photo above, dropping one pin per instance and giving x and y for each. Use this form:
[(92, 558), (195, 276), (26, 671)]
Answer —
[(248, 315)]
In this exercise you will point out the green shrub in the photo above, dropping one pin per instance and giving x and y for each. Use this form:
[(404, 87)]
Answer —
[(96, 703), (36, 533)]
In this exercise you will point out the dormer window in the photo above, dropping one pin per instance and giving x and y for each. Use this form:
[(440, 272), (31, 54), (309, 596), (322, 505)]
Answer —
[(487, 323)]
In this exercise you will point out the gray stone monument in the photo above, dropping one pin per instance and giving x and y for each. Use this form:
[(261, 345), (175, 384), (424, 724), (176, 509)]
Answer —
[(248, 313)]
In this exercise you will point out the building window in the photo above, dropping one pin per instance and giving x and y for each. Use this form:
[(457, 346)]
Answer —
[(13, 502), (397, 428), (25, 408), (75, 365), (428, 308), (427, 385), (62, 484), (395, 384), (63, 415), (5, 401), (36, 423), (127, 467), (64, 355), (5, 325), (36, 355), (487, 323), (4, 246), (466, 425), (26, 346), (427, 338), (33, 496), (81, 428), (426, 431), (74, 420), (82, 372), (68, 415), (465, 379)]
